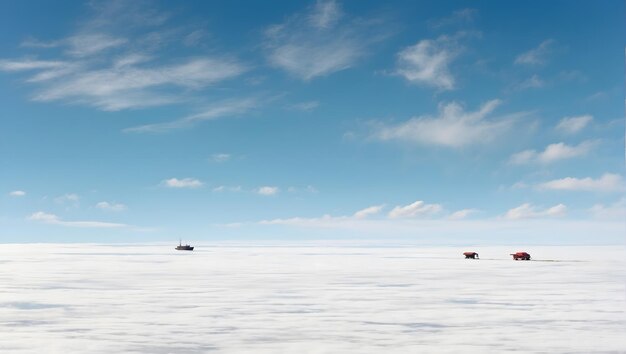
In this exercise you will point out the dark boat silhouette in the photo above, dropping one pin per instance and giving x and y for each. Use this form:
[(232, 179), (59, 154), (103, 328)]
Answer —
[(182, 247)]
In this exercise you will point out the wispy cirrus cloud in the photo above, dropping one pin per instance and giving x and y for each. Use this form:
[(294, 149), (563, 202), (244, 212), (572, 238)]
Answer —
[(538, 55), (27, 64), (462, 214), (129, 86), (416, 209), (111, 206), (319, 42), (453, 127), (572, 125), (17, 193), (528, 211), (608, 182), (52, 219), (369, 211), (552, 153), (533, 82), (182, 183), (112, 63), (327, 220), (215, 111)]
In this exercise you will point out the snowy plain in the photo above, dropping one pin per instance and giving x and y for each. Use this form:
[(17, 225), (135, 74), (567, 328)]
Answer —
[(79, 298)]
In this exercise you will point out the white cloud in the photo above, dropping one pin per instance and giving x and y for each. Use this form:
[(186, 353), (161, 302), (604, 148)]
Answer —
[(29, 64), (532, 82), (326, 221), (117, 88), (216, 111), (453, 127), (416, 209), (538, 55), (35, 43), (220, 157), (325, 14), (615, 211), (182, 183), (47, 218), (317, 43), (552, 153), (528, 211), (17, 193), (111, 206), (462, 214), (573, 125), (427, 62), (107, 65), (608, 182), (360, 218), (367, 212), (268, 190)]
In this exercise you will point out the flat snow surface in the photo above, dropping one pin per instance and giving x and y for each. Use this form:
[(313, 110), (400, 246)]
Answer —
[(252, 299)]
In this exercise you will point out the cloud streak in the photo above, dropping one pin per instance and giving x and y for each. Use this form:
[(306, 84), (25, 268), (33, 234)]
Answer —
[(120, 71), (52, 219), (608, 182), (369, 211), (572, 125), (552, 153), (322, 41), (107, 206), (215, 111), (415, 209), (528, 211), (182, 183), (538, 55), (453, 127)]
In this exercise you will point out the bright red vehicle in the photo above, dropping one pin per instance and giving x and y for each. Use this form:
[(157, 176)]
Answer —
[(521, 255), (472, 255)]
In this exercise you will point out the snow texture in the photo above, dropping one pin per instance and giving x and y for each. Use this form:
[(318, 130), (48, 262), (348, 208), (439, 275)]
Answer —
[(78, 298)]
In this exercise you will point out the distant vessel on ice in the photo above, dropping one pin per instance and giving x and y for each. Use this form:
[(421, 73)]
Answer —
[(182, 247)]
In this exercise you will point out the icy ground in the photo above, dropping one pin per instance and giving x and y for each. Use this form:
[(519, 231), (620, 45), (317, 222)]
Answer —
[(153, 299)]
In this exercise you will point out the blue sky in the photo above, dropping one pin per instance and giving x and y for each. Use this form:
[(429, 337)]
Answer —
[(434, 122)]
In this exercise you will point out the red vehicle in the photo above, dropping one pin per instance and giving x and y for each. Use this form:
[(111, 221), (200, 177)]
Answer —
[(521, 255), (472, 255)]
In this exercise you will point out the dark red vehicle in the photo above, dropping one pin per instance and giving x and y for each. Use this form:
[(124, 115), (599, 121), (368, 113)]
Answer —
[(521, 255), (472, 255)]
